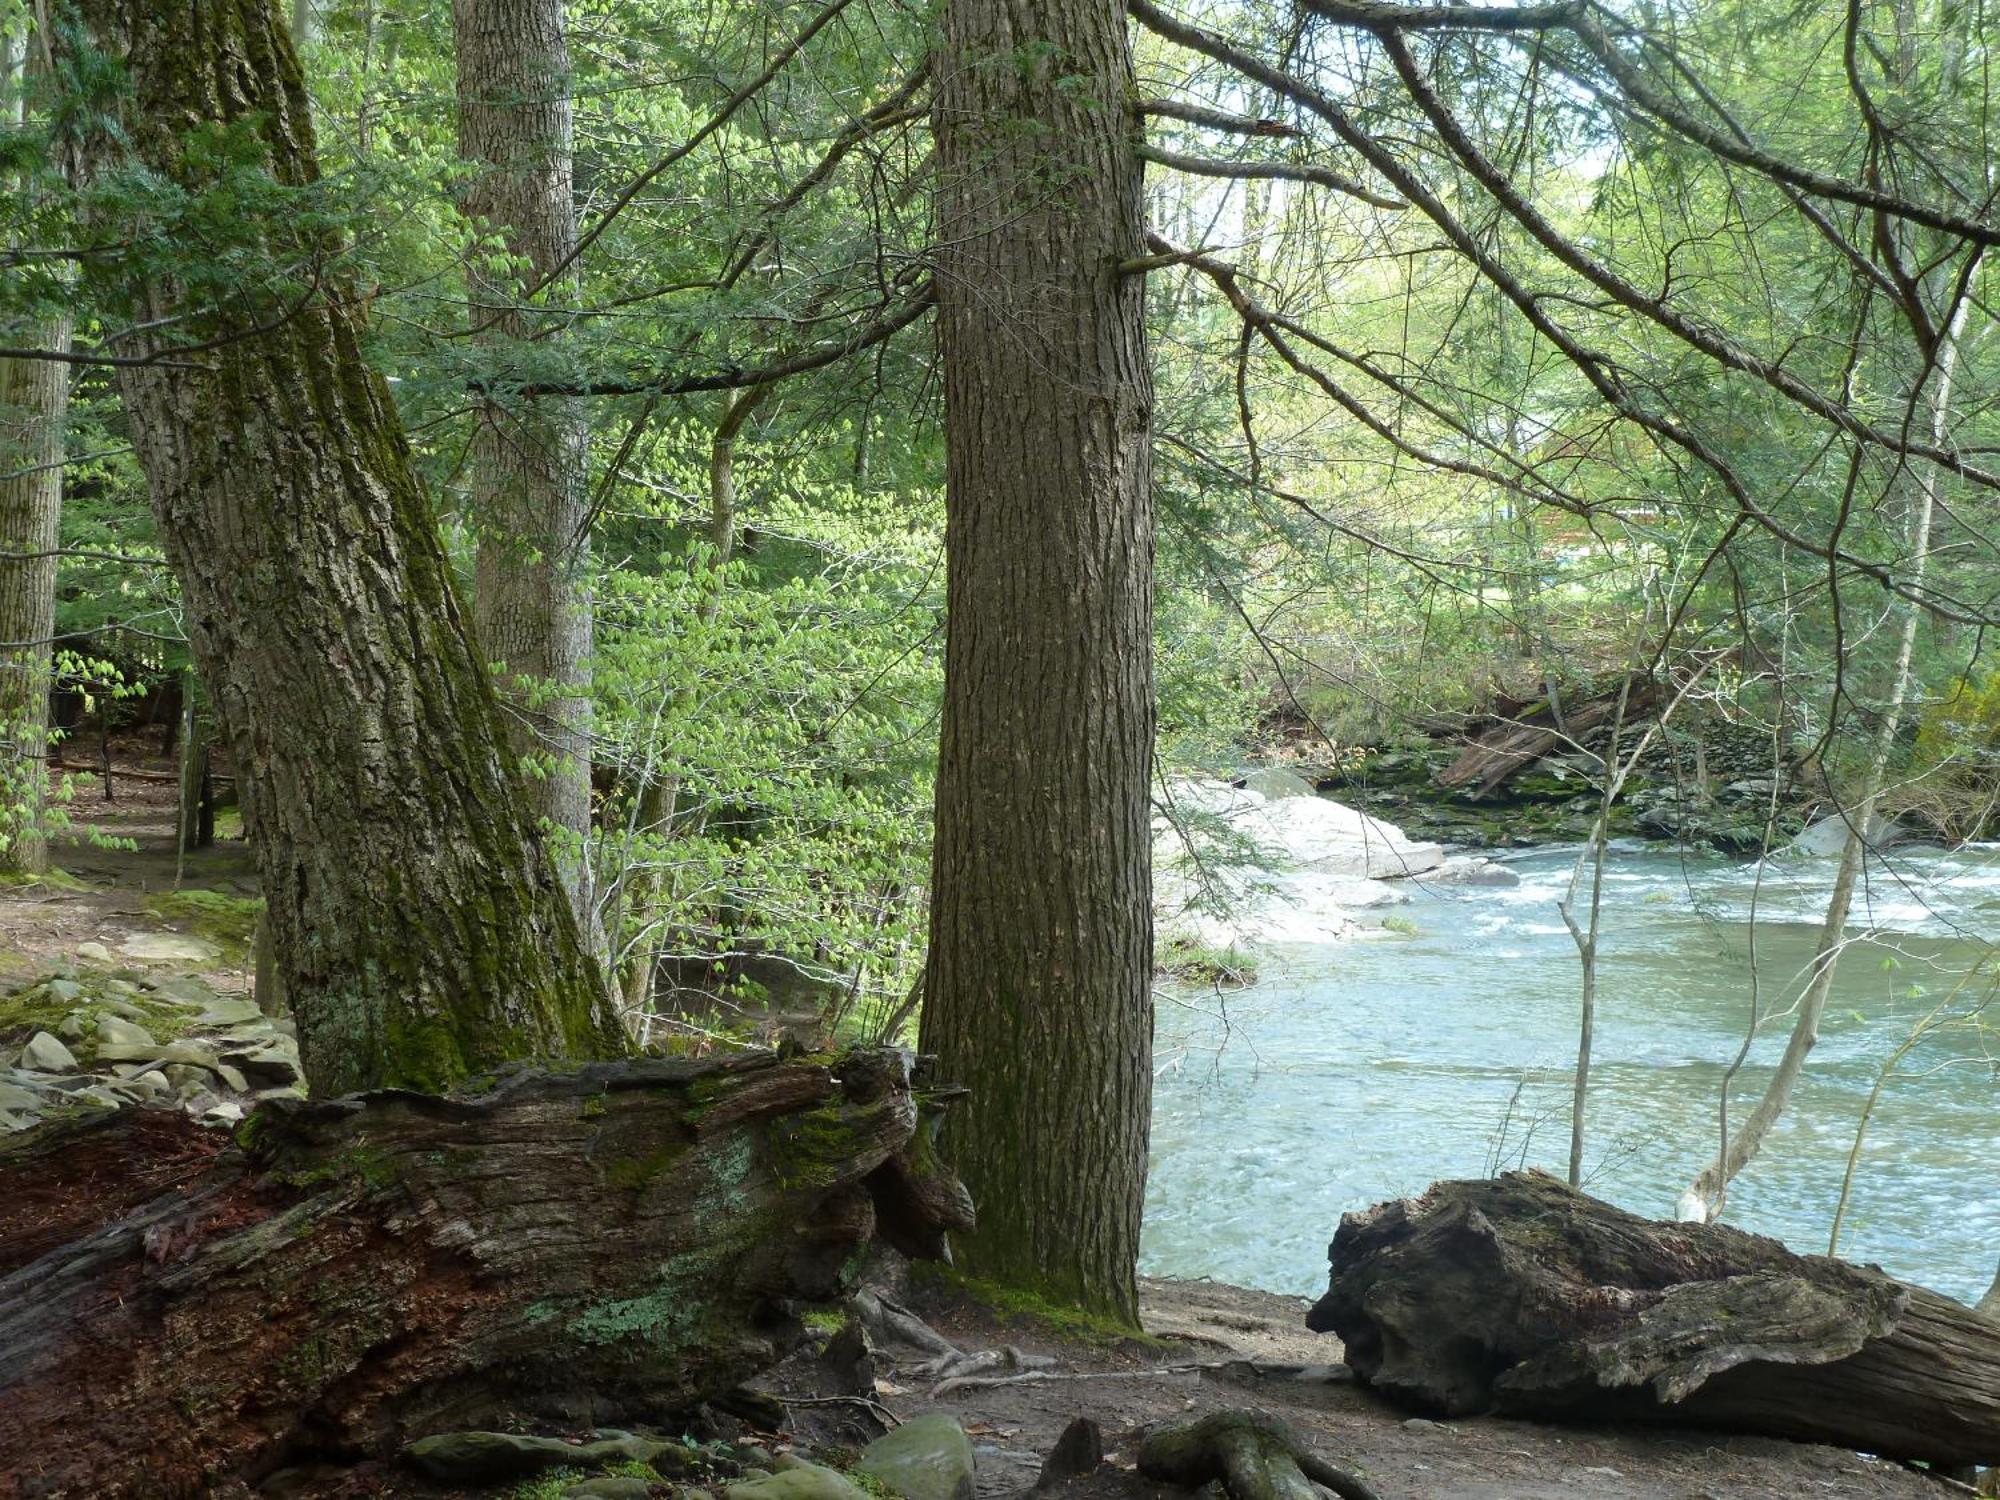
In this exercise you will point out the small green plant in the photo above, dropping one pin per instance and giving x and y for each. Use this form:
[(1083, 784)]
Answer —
[(1402, 925)]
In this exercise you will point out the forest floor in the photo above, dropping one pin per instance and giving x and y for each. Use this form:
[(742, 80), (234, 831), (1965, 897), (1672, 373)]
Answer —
[(1404, 1458), (118, 876), (1214, 1346)]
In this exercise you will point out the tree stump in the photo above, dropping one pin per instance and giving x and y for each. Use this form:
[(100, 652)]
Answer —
[(179, 1312), (1521, 1296)]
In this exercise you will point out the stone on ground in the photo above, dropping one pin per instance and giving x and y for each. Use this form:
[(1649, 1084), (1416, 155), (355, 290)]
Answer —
[(168, 947), (45, 1054), (97, 953), (927, 1458), (116, 1030), (801, 1481)]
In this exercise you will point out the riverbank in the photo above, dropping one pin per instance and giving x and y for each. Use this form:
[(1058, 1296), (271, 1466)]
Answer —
[(1213, 1347)]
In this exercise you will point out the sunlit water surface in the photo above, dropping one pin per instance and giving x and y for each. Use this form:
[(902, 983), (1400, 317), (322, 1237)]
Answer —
[(1365, 1069)]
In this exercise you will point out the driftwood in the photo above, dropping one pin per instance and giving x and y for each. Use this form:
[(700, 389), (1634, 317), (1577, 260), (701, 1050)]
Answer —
[(1497, 753), (1519, 1295), (181, 1314)]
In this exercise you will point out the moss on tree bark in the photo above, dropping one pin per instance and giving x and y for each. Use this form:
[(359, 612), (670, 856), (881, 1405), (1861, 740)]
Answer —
[(420, 931)]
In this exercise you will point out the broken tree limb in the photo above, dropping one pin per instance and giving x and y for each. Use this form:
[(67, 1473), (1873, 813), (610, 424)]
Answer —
[(625, 1239), (1522, 1296), (1253, 1454)]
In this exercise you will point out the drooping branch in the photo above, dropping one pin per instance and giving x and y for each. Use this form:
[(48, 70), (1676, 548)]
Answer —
[(1602, 373)]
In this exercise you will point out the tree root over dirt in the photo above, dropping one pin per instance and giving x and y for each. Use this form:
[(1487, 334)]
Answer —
[(1254, 1456)]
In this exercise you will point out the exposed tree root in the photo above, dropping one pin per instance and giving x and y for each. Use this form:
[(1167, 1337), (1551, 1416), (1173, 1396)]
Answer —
[(1253, 1455)]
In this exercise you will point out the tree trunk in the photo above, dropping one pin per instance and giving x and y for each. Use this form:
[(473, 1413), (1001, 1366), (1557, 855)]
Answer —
[(34, 406), (1520, 1295), (1040, 964), (353, 1274), (420, 930), (530, 457)]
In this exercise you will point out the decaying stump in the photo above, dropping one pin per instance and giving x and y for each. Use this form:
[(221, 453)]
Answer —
[(613, 1242), (1521, 1296), (1253, 1455)]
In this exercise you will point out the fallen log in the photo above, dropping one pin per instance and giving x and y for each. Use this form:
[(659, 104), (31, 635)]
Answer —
[(1515, 744), (1521, 1296), (612, 1243)]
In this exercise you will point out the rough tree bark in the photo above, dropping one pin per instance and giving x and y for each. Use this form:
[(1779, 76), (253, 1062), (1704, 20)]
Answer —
[(34, 405), (1041, 926), (530, 457), (34, 410), (420, 931), (1523, 1296), (615, 1242)]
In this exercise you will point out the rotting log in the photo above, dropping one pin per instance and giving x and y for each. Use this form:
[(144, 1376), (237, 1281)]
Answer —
[(1515, 744), (1522, 1296), (612, 1243)]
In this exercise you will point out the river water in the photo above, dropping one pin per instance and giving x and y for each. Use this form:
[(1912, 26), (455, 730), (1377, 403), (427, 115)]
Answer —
[(1365, 1068)]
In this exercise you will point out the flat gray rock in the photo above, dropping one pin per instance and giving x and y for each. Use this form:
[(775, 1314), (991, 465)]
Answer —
[(14, 1097), (168, 947), (228, 1010), (191, 1054)]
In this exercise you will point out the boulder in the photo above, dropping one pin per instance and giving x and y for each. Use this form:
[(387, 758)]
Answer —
[(97, 953), (1473, 870), (1274, 783), (45, 1054), (927, 1458)]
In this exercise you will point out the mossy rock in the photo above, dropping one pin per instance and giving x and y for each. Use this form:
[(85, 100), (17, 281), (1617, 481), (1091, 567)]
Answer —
[(228, 921)]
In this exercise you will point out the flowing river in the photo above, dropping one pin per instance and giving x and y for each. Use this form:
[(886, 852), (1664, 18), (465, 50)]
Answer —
[(1364, 1068)]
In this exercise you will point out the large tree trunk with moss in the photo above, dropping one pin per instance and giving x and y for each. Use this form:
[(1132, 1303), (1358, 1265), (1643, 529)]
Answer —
[(529, 457), (616, 1242), (420, 931), (34, 405), (1037, 991), (1523, 1296)]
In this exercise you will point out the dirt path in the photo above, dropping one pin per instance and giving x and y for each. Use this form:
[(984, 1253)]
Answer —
[(1404, 1458), (115, 879)]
